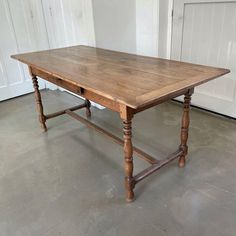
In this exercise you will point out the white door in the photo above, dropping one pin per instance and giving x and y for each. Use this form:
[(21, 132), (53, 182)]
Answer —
[(204, 32), (22, 30), (32, 25), (69, 22)]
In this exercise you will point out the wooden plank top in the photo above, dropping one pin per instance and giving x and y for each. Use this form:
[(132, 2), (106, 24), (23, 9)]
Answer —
[(133, 80)]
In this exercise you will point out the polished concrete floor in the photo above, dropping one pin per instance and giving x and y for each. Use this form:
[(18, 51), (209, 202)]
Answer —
[(69, 181)]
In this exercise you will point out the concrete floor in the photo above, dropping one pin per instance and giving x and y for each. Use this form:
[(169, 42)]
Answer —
[(69, 181)]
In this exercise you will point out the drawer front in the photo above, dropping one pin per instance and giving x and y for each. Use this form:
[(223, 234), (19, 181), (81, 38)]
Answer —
[(108, 103), (57, 81)]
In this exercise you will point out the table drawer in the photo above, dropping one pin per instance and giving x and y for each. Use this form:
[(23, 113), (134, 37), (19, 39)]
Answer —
[(59, 82)]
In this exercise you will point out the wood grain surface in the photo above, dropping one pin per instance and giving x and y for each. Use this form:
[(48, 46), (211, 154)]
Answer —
[(132, 80)]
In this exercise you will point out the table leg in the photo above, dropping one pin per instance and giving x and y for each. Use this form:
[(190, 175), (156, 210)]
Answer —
[(185, 127), (88, 105), (128, 150), (38, 100)]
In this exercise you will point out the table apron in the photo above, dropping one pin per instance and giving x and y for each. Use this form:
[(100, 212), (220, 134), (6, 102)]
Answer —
[(108, 103)]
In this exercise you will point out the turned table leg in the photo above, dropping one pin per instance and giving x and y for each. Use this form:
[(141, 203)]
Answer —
[(185, 127), (128, 150), (88, 105), (38, 100)]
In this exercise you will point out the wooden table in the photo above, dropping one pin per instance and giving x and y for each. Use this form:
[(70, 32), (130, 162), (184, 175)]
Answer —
[(124, 83)]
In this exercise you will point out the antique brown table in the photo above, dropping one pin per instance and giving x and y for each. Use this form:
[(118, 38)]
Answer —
[(124, 83)]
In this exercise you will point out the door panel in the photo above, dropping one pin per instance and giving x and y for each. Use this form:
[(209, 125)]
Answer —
[(29, 24), (205, 33), (30, 31), (24, 30), (11, 76), (66, 22)]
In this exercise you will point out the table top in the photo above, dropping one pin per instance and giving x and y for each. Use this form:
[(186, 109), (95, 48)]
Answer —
[(129, 79)]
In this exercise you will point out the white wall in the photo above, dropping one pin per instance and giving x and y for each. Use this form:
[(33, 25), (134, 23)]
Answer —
[(165, 25), (115, 24), (130, 26), (147, 27)]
